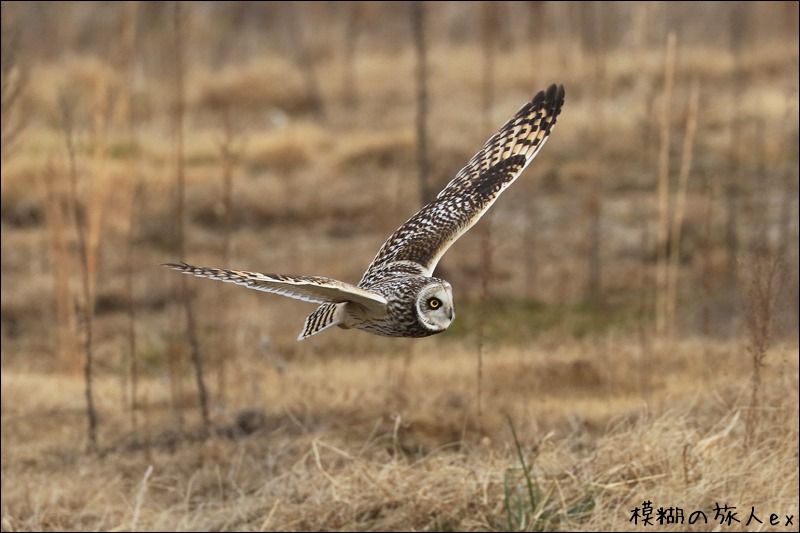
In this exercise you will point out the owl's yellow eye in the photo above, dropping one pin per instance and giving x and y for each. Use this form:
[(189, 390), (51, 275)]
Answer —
[(434, 303)]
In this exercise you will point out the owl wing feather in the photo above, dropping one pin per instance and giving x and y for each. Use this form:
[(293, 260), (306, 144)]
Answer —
[(307, 288), (427, 235)]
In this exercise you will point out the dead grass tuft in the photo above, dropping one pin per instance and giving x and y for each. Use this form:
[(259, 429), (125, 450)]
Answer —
[(331, 458)]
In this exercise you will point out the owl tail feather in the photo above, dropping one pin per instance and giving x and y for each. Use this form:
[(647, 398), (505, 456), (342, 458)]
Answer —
[(326, 316)]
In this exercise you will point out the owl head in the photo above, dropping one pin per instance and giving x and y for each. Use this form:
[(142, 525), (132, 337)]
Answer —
[(435, 308)]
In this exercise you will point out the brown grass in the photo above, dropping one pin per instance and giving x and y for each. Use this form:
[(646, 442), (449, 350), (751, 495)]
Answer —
[(320, 449), (582, 415)]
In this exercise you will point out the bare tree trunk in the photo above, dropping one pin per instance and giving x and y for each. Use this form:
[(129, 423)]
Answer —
[(225, 348), (125, 62), (489, 30), (127, 117), (662, 236), (680, 208), (706, 274), (593, 40), (420, 49), (737, 29), (58, 218), (13, 80), (352, 14), (132, 361), (180, 113), (304, 60), (536, 23), (787, 243), (85, 306)]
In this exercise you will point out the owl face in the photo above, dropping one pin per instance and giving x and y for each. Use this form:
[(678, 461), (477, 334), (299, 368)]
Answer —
[(397, 297), (435, 308)]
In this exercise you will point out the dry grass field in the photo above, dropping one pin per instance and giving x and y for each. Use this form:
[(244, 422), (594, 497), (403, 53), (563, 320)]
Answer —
[(627, 314)]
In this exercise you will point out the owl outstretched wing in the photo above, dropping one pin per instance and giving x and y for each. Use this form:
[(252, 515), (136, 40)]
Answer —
[(427, 235), (307, 288)]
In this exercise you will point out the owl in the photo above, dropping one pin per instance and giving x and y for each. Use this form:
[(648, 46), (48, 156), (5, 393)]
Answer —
[(398, 295)]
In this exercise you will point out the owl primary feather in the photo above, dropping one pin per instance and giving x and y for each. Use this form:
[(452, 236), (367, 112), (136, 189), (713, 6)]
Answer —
[(398, 295)]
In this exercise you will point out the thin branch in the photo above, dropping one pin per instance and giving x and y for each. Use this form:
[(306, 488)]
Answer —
[(85, 307)]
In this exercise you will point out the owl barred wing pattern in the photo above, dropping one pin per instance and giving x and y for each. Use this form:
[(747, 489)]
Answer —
[(426, 236), (524, 134), (398, 296), (307, 288), (324, 317)]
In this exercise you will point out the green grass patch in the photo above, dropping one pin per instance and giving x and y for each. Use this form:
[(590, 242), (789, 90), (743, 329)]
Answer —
[(530, 508), (519, 321)]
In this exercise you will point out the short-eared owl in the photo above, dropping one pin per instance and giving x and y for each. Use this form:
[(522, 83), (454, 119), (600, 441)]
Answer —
[(398, 297)]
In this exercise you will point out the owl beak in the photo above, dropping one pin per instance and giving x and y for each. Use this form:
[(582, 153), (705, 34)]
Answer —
[(452, 314)]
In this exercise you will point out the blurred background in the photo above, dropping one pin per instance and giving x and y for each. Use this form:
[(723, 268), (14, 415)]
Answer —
[(296, 137), (650, 251)]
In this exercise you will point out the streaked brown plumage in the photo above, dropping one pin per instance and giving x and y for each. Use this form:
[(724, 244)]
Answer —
[(397, 296)]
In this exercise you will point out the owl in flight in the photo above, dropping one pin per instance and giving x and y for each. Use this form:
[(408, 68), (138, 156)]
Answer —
[(398, 296)]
